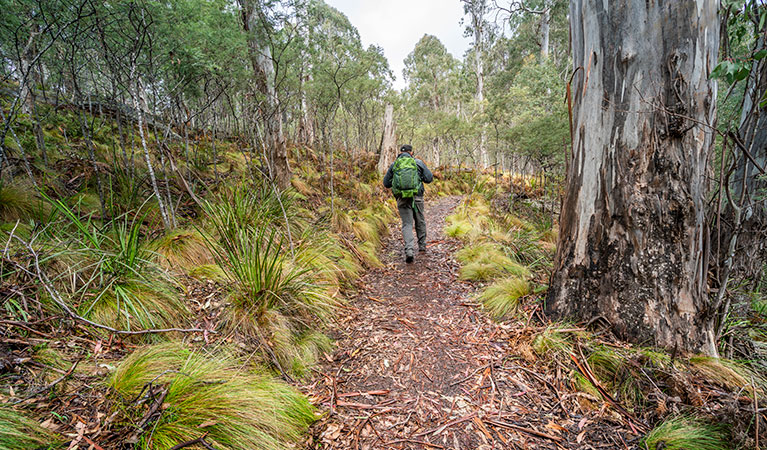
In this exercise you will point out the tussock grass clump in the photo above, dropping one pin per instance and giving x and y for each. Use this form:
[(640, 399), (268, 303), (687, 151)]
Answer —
[(274, 299), (115, 280), (553, 340), (208, 272), (342, 222), (256, 265), (458, 228), (303, 187), (309, 346), (686, 433), (729, 374), (486, 261), (182, 250), (469, 219), (615, 372), (501, 299), (18, 432), (19, 202), (239, 408), (472, 253), (369, 255), (479, 271), (136, 304), (367, 232), (330, 262), (256, 205)]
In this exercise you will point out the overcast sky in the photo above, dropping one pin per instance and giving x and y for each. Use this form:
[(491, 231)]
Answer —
[(397, 25)]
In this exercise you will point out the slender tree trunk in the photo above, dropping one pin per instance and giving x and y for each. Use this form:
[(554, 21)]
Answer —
[(306, 123), (147, 158), (633, 237), (743, 232), (477, 9), (749, 180), (263, 68), (545, 27)]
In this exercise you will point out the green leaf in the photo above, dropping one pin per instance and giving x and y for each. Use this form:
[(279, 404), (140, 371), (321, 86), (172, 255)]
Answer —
[(742, 73), (761, 53)]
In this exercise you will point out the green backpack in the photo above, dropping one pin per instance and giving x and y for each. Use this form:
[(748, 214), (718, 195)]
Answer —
[(406, 182)]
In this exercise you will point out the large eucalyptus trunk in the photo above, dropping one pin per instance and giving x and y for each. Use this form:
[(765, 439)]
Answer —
[(633, 237), (256, 29), (388, 151)]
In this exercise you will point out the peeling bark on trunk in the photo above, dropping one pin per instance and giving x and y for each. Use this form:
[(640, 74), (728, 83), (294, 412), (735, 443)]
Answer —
[(632, 247), (388, 149)]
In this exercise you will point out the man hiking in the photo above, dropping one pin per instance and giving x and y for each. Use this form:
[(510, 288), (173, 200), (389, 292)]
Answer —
[(405, 178)]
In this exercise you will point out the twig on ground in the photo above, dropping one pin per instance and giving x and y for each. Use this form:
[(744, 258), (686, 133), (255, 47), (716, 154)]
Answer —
[(413, 441), (49, 385), (199, 441), (511, 426)]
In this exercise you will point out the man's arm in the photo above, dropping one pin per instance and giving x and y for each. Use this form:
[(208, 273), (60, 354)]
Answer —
[(426, 175), (388, 177)]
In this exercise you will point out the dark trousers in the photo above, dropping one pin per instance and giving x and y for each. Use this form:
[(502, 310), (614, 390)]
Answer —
[(411, 216)]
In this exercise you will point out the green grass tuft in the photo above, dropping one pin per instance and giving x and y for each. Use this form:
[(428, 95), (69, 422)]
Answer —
[(136, 304), (552, 340), (686, 433), (241, 409), (367, 232), (208, 272), (486, 261), (19, 202), (502, 298), (182, 250), (458, 229), (18, 432)]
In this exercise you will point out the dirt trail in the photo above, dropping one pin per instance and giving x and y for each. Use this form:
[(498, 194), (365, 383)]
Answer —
[(420, 366)]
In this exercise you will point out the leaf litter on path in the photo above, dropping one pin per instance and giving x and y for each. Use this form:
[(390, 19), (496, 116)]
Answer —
[(419, 366)]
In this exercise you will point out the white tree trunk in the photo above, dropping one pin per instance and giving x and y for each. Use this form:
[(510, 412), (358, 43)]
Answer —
[(545, 27), (477, 10), (632, 245), (388, 149), (140, 107)]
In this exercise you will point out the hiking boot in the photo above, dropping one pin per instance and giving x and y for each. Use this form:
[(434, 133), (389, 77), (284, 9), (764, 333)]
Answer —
[(422, 249), (409, 259)]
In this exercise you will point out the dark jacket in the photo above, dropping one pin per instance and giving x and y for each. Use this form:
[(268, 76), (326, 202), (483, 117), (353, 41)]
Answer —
[(423, 172)]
